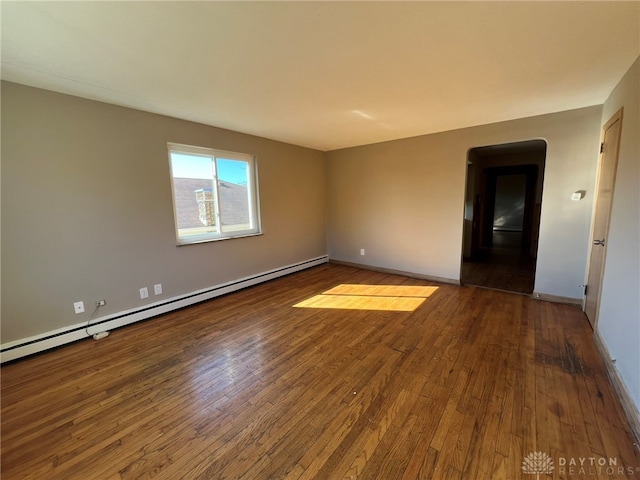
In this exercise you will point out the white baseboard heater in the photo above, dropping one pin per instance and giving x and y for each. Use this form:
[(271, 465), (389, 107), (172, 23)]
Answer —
[(27, 346)]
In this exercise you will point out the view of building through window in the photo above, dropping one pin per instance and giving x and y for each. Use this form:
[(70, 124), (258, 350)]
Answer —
[(214, 193)]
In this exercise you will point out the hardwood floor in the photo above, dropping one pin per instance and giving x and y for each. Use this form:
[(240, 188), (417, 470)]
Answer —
[(502, 269), (248, 386), (504, 266)]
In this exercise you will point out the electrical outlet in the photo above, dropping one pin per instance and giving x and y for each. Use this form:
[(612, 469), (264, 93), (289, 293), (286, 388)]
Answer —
[(144, 292), (157, 289), (362, 251), (78, 307), (101, 303)]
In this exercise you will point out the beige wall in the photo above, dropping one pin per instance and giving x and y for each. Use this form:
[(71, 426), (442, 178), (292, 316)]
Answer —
[(619, 313), (87, 210), (403, 201)]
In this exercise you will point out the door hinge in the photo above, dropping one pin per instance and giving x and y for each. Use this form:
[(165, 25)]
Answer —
[(586, 287), (602, 147)]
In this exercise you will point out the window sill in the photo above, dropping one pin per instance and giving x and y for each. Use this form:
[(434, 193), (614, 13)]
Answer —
[(216, 239)]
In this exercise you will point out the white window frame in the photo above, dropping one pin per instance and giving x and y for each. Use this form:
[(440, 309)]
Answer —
[(252, 190)]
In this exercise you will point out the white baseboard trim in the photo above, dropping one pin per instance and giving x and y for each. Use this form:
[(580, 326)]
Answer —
[(373, 268), (55, 338), (557, 299), (629, 407)]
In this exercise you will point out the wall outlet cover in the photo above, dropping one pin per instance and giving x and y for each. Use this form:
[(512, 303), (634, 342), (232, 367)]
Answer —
[(78, 307)]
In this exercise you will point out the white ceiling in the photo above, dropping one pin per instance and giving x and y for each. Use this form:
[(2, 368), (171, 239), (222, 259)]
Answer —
[(326, 75)]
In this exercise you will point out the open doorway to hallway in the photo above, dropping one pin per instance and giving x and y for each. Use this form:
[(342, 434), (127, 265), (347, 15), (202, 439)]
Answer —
[(502, 215)]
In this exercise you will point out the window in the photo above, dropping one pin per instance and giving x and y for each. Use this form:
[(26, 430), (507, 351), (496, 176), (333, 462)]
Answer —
[(215, 194)]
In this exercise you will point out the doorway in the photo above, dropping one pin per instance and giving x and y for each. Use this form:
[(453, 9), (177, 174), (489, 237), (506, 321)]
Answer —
[(502, 215)]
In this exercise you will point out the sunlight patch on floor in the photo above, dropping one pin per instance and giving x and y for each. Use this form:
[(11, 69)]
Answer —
[(401, 298)]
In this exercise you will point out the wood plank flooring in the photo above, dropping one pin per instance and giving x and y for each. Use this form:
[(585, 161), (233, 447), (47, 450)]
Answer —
[(503, 269), (247, 386)]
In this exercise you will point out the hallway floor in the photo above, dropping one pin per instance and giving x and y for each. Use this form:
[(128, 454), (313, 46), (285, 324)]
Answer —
[(503, 267)]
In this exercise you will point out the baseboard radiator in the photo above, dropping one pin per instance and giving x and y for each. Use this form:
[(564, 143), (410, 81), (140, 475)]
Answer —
[(28, 346)]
